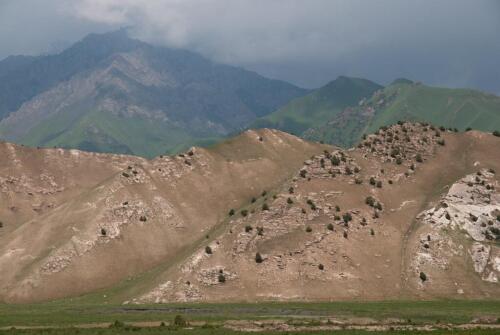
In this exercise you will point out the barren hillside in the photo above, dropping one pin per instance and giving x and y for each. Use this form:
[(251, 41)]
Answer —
[(412, 212), (74, 222)]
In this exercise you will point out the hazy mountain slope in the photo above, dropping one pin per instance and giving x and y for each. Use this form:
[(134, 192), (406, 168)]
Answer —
[(172, 97), (319, 106), (130, 216), (405, 100)]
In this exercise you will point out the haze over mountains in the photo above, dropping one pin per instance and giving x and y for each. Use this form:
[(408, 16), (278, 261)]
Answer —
[(111, 93)]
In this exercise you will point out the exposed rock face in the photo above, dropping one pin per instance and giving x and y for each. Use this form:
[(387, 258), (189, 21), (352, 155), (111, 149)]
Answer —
[(470, 207)]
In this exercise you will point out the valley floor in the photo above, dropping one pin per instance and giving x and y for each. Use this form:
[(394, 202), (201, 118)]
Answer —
[(467, 317)]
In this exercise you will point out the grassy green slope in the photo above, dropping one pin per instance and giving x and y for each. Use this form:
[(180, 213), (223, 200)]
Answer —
[(404, 100), (456, 108), (105, 132), (319, 106)]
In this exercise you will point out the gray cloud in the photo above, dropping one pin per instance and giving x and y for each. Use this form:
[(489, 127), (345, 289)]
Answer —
[(447, 42)]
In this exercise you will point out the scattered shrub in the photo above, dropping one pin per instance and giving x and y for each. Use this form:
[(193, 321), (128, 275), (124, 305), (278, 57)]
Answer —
[(103, 232), (244, 212), (379, 184), (335, 160), (321, 267), (260, 231), (329, 227), (378, 206), (125, 174), (423, 276), (289, 201), (309, 229), (265, 207), (264, 193), (370, 201), (337, 208), (143, 218), (248, 228), (441, 142), (347, 217), (258, 258), (303, 173), (372, 232), (179, 321), (253, 200), (399, 161), (208, 250), (221, 278), (372, 181), (345, 234), (231, 212), (291, 190)]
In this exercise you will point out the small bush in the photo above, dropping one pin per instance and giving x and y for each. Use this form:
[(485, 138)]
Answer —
[(231, 212), (143, 218), (125, 174), (423, 276), (260, 231), (321, 267), (345, 234), (347, 217), (263, 194), (335, 160), (372, 232), (329, 226), (265, 207), (337, 208), (496, 133), (244, 212), (289, 201), (103, 232), (291, 190), (253, 200), (399, 161), (370, 201), (379, 184), (441, 142), (221, 278), (372, 181), (179, 321), (378, 206), (258, 258), (303, 173), (309, 229), (248, 228), (1, 224)]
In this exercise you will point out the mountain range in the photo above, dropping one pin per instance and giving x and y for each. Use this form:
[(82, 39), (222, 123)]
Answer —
[(111, 93)]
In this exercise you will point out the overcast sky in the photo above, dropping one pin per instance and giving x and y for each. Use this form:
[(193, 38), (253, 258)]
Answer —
[(307, 42)]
